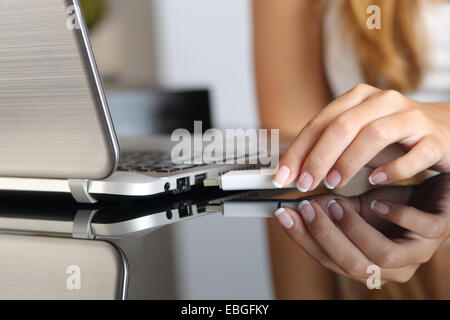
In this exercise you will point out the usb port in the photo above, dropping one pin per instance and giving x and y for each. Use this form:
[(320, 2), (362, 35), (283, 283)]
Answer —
[(200, 178), (184, 211), (201, 208), (183, 184)]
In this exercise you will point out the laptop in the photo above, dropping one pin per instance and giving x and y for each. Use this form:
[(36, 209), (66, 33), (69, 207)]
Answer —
[(56, 132)]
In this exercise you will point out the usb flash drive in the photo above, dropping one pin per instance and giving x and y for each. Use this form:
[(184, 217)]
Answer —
[(251, 209), (245, 180)]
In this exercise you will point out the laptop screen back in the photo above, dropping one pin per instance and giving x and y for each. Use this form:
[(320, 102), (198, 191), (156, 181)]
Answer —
[(54, 122)]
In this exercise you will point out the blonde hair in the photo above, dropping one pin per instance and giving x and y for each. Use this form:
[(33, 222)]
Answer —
[(391, 57)]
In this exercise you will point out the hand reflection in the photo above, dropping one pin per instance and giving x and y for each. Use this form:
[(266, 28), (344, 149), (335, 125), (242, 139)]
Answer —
[(395, 228)]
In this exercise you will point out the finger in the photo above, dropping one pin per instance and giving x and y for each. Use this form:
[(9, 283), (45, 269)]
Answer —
[(426, 153), (340, 133), (299, 234), (400, 275), (388, 154), (408, 250), (373, 244), (323, 199), (390, 193), (295, 228), (290, 163), (427, 225), (423, 249), (370, 141), (338, 247)]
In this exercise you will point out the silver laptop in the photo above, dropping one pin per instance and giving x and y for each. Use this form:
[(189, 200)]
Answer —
[(56, 133)]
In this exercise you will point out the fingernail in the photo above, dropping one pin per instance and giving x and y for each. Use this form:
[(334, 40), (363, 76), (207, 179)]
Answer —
[(377, 178), (333, 179), (307, 211), (281, 177), (335, 210), (305, 181), (379, 207), (285, 219)]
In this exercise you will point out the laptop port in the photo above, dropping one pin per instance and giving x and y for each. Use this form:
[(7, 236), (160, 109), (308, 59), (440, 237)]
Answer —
[(183, 184), (199, 179), (201, 208), (184, 211)]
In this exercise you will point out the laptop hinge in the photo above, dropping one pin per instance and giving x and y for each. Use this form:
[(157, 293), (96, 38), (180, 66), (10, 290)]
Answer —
[(79, 190), (82, 224)]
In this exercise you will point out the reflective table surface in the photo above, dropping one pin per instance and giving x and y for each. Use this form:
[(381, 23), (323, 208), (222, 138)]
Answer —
[(137, 229)]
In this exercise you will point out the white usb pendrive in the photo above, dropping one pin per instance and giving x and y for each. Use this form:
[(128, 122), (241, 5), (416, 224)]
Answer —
[(245, 180), (252, 209)]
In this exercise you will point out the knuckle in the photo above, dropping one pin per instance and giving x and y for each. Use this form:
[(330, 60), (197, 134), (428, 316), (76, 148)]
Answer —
[(416, 113), (313, 125), (355, 268), (342, 125), (392, 96), (350, 228), (361, 87), (321, 233), (378, 131), (386, 258), (438, 227), (430, 151)]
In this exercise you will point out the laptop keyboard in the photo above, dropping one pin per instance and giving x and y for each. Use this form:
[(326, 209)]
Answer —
[(151, 161), (160, 161)]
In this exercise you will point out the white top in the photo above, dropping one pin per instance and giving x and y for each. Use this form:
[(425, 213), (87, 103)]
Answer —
[(342, 66)]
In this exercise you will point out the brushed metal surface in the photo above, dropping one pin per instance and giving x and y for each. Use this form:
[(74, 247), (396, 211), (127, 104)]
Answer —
[(40, 268), (54, 121)]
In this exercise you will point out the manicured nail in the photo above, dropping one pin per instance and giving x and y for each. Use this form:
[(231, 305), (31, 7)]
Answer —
[(378, 178), (333, 179), (285, 219), (307, 211), (281, 177), (335, 210), (305, 181), (379, 207)]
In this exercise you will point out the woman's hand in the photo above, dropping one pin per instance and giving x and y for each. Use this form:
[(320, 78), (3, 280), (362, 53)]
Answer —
[(355, 128), (347, 235)]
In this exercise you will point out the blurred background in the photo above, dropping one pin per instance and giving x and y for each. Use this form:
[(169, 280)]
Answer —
[(177, 45)]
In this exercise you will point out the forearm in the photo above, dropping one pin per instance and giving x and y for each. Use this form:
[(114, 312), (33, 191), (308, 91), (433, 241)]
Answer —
[(288, 67)]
